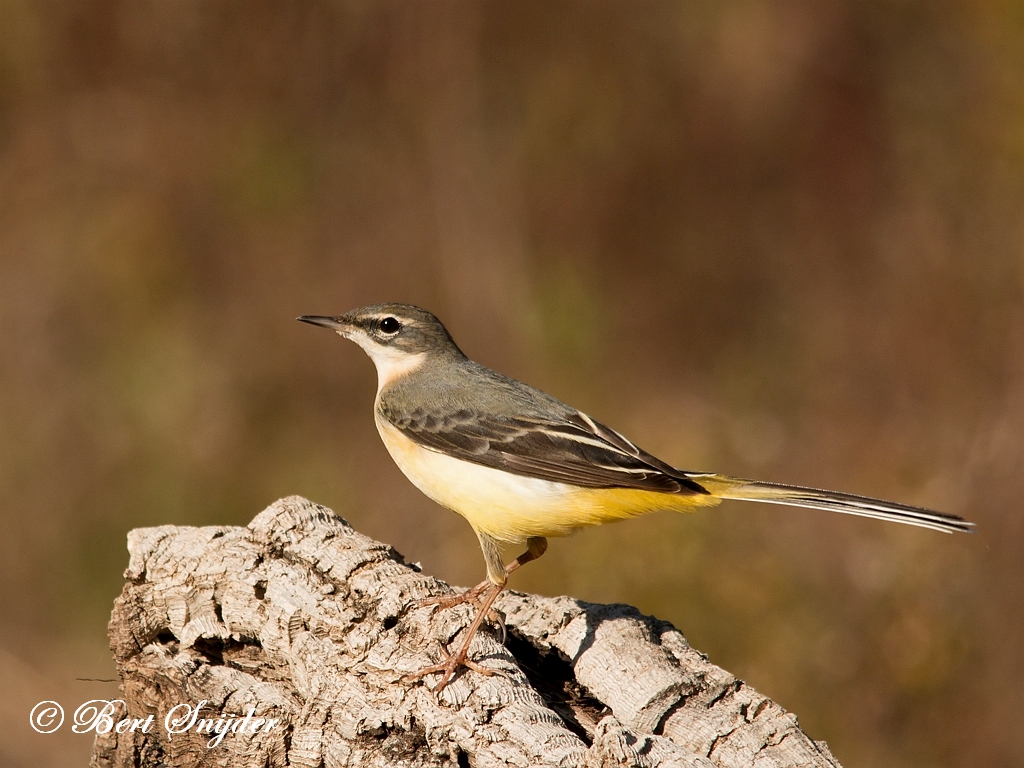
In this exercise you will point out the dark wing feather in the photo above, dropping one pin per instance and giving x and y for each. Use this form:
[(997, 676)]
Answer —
[(576, 450)]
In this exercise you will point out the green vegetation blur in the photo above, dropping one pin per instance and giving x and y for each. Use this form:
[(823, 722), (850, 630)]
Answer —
[(782, 240)]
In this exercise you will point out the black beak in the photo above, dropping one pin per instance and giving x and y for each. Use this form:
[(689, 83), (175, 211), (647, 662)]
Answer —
[(334, 323)]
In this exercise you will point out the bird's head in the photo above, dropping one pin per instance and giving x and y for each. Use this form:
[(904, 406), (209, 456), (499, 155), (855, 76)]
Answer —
[(397, 337)]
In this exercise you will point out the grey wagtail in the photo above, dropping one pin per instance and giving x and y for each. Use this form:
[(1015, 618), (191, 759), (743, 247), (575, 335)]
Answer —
[(521, 466)]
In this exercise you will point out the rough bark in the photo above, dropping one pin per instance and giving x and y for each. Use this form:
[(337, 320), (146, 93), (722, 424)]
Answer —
[(308, 621)]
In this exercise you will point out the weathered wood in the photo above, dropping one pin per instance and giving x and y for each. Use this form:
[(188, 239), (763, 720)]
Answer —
[(309, 622)]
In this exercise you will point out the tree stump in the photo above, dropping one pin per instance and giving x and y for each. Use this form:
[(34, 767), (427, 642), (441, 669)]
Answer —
[(307, 627)]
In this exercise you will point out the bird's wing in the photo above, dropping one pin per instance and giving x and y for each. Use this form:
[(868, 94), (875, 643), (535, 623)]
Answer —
[(576, 450)]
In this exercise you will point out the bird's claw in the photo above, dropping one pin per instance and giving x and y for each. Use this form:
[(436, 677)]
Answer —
[(471, 596), (483, 596), (447, 669)]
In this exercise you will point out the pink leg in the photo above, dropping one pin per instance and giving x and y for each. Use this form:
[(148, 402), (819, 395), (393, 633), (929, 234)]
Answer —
[(483, 596)]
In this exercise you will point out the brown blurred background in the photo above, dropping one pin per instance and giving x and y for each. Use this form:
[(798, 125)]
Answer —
[(782, 240)]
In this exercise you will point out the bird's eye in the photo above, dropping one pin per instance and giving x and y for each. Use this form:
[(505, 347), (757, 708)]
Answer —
[(389, 325)]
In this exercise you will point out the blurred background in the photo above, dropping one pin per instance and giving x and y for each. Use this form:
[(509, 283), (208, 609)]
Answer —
[(782, 240)]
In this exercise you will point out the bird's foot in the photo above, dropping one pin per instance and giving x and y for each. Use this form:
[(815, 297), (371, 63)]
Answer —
[(472, 597), (448, 667), (460, 658)]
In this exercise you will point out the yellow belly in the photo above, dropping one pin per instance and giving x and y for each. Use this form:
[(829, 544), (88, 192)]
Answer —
[(511, 508)]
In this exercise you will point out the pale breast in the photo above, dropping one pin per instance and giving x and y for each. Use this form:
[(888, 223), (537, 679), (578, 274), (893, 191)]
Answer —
[(505, 506)]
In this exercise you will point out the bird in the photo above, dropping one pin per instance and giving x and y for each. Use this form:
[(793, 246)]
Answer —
[(522, 466)]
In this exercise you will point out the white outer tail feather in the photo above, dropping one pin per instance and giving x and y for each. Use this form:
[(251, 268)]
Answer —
[(847, 503)]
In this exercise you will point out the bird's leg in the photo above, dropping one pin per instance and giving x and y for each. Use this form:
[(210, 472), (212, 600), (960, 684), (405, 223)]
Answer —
[(460, 657), (536, 547), (483, 595), (450, 601)]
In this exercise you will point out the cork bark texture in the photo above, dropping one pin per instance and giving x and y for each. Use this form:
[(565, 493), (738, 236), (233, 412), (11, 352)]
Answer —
[(304, 620)]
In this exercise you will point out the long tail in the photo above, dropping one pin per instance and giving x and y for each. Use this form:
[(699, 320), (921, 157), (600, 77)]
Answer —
[(847, 503)]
